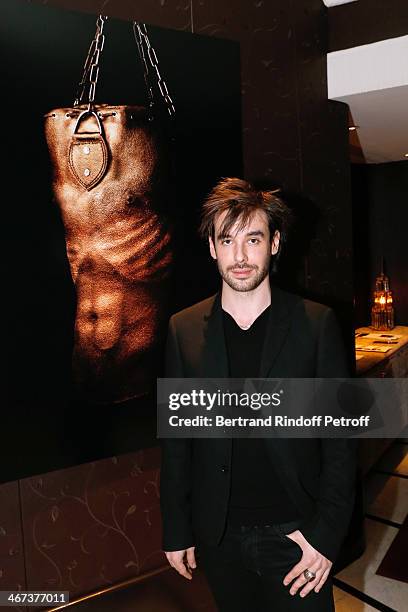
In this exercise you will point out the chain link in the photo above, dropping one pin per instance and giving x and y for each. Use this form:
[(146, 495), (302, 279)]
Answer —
[(91, 67), (143, 42)]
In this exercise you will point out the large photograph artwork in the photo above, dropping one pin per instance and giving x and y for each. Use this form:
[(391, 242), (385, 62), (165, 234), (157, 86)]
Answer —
[(109, 176)]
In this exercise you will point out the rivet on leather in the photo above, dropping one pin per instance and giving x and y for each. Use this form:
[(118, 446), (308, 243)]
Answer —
[(88, 159)]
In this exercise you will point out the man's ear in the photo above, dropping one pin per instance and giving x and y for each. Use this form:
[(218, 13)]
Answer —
[(212, 248), (275, 242)]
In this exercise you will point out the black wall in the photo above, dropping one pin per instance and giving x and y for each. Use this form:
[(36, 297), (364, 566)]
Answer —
[(380, 221)]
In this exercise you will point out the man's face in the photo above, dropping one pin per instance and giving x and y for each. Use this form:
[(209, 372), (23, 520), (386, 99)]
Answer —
[(243, 257)]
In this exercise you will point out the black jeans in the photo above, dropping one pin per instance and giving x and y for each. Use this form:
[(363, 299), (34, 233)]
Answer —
[(246, 571)]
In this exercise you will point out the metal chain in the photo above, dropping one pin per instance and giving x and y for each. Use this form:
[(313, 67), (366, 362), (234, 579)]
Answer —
[(91, 67), (143, 37), (146, 72)]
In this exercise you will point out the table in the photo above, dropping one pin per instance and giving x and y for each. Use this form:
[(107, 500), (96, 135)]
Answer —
[(392, 364)]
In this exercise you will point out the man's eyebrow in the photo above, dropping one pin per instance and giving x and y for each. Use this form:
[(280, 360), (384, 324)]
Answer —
[(226, 236), (256, 233)]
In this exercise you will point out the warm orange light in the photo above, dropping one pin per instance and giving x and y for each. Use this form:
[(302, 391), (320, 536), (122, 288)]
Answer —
[(382, 311)]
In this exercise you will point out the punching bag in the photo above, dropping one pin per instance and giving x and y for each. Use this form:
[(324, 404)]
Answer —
[(111, 181)]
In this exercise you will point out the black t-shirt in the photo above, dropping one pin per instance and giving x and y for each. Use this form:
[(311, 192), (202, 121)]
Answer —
[(257, 495)]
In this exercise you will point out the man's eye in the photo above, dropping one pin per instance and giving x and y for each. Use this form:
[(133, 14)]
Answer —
[(226, 241), (253, 240)]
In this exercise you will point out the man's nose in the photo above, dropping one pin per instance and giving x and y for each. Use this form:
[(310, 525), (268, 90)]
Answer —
[(240, 253)]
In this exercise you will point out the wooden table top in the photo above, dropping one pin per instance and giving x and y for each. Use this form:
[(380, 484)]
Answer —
[(365, 361)]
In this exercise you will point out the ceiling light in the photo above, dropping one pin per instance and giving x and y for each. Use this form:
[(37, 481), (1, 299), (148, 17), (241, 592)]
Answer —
[(330, 3), (352, 128)]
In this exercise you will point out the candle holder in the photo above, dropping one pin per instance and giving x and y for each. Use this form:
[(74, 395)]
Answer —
[(382, 310)]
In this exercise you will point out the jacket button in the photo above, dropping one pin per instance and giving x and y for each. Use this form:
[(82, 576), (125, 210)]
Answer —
[(224, 468)]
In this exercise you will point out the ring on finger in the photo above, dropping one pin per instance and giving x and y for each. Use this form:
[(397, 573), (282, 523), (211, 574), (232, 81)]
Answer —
[(309, 575)]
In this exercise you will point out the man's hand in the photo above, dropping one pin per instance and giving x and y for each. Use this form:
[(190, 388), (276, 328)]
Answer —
[(176, 560), (311, 560)]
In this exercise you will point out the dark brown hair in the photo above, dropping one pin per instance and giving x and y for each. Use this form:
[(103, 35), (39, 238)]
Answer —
[(242, 200)]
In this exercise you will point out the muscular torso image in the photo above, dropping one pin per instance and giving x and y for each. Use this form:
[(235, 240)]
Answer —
[(118, 245)]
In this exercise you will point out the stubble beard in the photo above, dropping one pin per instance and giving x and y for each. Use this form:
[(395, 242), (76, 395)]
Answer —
[(245, 284)]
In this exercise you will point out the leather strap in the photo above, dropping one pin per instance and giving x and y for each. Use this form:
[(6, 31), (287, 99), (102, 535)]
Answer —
[(88, 153)]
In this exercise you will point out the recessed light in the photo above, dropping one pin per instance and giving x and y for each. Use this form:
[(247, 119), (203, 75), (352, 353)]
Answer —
[(406, 155), (352, 128)]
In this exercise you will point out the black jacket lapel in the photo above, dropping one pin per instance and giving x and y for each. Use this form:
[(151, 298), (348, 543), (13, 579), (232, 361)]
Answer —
[(277, 330), (214, 363)]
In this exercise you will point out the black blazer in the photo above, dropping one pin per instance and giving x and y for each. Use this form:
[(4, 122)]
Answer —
[(303, 341)]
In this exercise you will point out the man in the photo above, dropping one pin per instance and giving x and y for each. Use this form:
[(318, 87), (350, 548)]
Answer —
[(266, 517)]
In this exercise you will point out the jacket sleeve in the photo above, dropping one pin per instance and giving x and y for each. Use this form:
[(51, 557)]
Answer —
[(176, 472), (326, 531)]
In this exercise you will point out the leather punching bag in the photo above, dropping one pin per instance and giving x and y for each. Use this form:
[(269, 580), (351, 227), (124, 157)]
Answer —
[(110, 180)]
